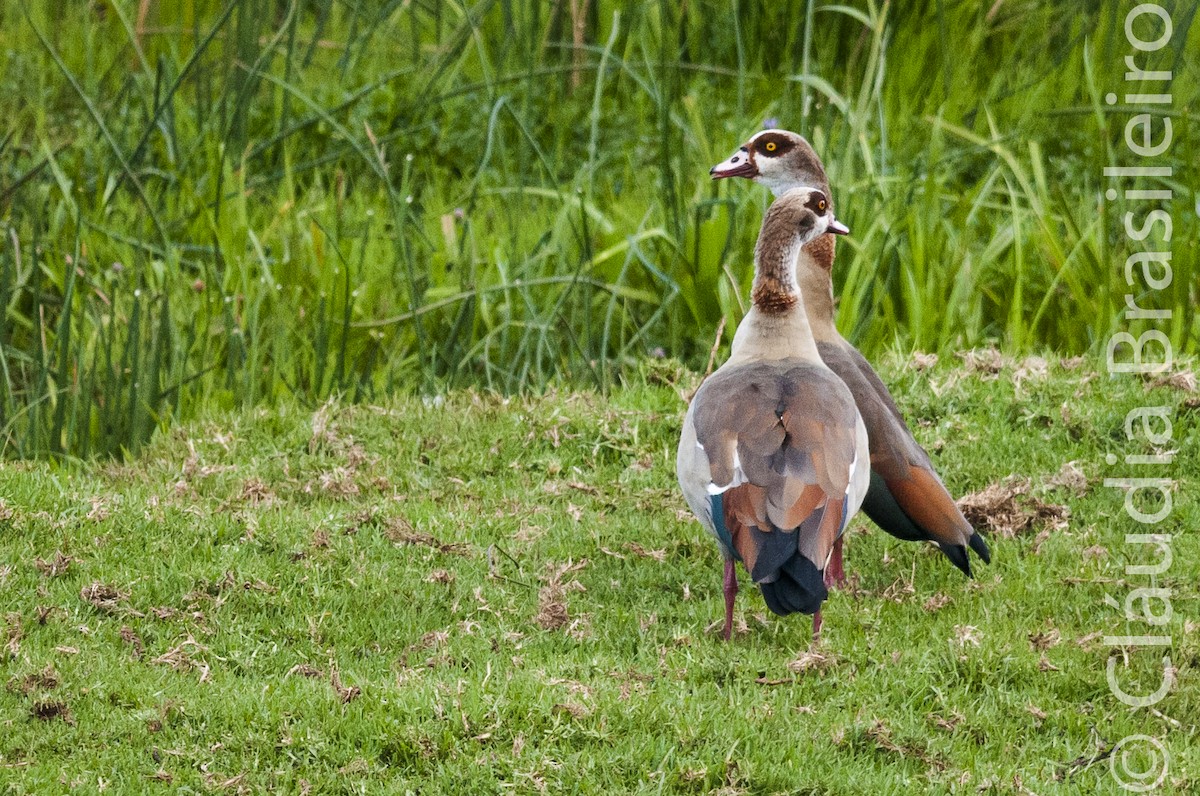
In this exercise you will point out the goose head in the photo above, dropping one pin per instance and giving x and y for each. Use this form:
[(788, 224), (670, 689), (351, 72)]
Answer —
[(778, 159), (798, 216)]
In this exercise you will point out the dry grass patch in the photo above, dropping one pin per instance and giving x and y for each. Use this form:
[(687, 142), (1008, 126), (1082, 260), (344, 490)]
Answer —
[(400, 531), (103, 597), (56, 566), (552, 611), (45, 680), (1010, 508)]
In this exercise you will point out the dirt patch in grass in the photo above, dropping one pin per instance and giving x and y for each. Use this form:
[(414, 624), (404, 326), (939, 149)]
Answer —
[(58, 564), (182, 658), (429, 641), (50, 709), (1010, 508), (401, 531), (45, 680), (881, 736), (12, 635), (988, 362), (133, 640), (552, 609), (1071, 478), (1043, 640), (812, 661), (552, 598), (937, 602), (255, 492), (642, 552), (338, 482), (225, 783), (922, 361), (571, 709), (106, 599), (1182, 380), (345, 693)]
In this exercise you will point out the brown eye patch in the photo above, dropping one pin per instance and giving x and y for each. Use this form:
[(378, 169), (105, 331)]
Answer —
[(772, 146), (817, 203)]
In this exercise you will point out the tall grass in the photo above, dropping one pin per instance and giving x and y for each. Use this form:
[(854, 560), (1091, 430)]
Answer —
[(210, 202)]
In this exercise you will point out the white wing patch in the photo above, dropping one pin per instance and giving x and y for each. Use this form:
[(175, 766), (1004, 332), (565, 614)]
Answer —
[(739, 476), (853, 466)]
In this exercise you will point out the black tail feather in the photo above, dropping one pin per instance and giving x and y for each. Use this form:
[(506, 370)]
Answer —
[(800, 588), (772, 550), (957, 554), (980, 547)]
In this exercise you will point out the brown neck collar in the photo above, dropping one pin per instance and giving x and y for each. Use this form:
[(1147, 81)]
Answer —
[(773, 297)]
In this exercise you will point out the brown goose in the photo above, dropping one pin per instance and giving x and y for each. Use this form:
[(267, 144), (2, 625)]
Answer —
[(773, 455), (907, 498)]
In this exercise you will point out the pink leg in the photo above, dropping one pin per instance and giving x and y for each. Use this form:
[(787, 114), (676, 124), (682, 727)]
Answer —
[(731, 590), (816, 626), (835, 574)]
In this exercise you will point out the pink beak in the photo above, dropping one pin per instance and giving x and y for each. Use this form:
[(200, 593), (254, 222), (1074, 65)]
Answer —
[(736, 165)]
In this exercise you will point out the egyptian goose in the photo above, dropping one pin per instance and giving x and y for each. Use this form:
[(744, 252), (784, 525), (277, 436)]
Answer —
[(773, 455), (907, 498)]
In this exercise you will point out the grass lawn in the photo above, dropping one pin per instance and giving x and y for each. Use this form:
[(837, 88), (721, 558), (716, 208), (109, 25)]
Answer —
[(482, 595)]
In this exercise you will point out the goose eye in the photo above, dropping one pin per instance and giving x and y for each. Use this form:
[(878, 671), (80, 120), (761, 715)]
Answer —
[(821, 205), (771, 146)]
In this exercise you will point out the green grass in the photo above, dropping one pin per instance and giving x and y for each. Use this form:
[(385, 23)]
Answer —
[(410, 546), (232, 204)]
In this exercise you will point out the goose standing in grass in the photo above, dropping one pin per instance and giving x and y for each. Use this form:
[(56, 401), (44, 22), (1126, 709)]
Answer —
[(906, 498), (773, 458)]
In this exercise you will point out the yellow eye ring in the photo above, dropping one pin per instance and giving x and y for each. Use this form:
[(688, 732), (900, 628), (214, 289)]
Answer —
[(821, 205), (771, 146)]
